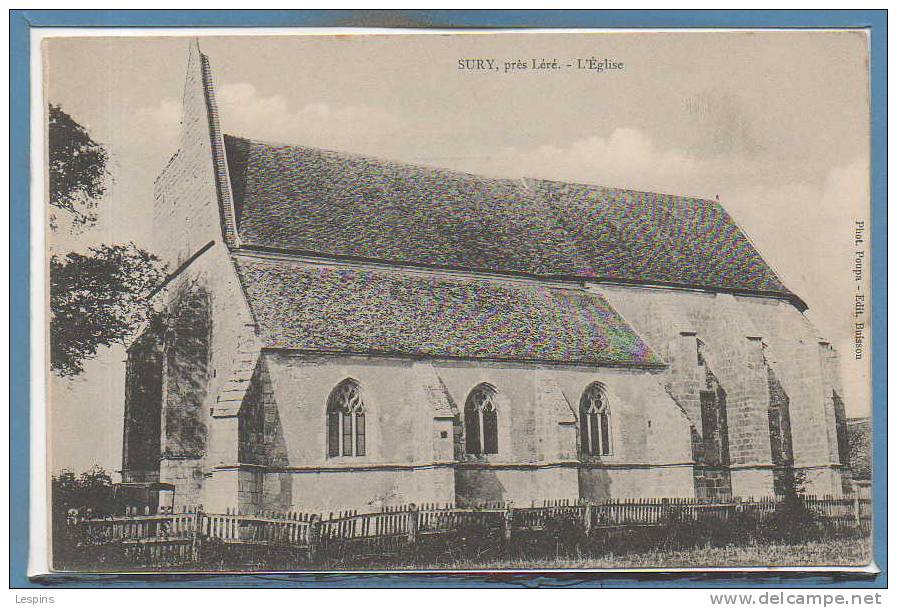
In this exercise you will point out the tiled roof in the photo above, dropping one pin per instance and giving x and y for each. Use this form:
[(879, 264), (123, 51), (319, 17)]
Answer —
[(332, 203), (658, 238), (322, 308), (336, 204)]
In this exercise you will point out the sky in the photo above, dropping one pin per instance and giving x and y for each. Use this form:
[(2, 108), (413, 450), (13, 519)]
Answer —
[(776, 124)]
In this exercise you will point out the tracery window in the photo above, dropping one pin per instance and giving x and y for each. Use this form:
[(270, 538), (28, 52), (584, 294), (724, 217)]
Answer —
[(345, 421), (594, 422), (481, 421)]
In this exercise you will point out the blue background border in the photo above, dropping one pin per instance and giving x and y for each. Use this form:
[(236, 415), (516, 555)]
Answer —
[(22, 20)]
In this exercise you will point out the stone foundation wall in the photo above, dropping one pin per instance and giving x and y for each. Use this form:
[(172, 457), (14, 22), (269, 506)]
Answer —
[(517, 485), (712, 482), (597, 483), (753, 482), (327, 491), (826, 480), (221, 491), (186, 474)]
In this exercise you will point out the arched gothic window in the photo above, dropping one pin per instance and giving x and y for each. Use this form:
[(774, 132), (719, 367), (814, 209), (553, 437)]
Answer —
[(481, 421), (345, 421), (594, 422)]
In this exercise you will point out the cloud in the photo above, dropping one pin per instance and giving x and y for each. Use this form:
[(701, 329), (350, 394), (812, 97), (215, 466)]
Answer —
[(165, 116), (805, 230), (359, 128), (627, 158)]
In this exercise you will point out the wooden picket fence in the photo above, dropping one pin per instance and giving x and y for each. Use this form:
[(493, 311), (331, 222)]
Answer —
[(173, 526), (167, 538), (843, 512), (838, 512), (269, 528)]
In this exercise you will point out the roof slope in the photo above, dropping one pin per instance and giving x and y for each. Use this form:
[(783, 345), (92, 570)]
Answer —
[(316, 201), (330, 203), (658, 238), (319, 308)]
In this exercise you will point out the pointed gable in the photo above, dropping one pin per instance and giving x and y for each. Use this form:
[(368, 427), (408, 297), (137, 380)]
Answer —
[(193, 204)]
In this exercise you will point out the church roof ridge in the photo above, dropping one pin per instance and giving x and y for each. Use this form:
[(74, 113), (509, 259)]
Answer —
[(523, 180)]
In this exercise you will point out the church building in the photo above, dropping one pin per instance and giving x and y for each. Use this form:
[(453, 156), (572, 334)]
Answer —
[(342, 332)]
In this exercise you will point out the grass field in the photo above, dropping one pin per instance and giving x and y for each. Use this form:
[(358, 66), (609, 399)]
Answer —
[(830, 552), (838, 552)]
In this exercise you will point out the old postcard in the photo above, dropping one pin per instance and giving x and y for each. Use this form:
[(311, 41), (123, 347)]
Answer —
[(458, 300)]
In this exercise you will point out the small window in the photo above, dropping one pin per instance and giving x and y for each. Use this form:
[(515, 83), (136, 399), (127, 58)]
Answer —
[(345, 421), (595, 428), (481, 421)]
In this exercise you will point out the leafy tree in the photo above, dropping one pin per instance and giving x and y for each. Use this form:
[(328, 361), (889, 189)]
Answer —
[(90, 494), (793, 483), (91, 490), (78, 175), (98, 299)]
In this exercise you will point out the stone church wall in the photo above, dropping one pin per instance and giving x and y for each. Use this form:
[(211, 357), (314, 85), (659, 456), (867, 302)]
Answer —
[(206, 333), (199, 434), (742, 335), (186, 212), (411, 453), (806, 366), (231, 346), (141, 448), (651, 437)]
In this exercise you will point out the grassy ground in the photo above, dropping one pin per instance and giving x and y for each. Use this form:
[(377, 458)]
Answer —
[(449, 554), (839, 552)]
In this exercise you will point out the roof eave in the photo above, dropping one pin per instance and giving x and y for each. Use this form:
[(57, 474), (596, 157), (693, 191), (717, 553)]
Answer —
[(649, 365), (786, 295)]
